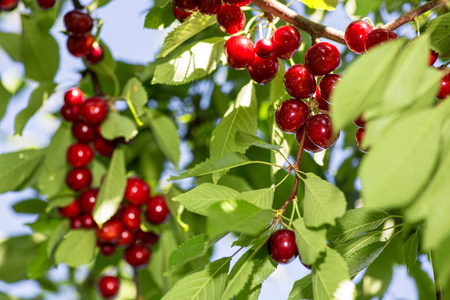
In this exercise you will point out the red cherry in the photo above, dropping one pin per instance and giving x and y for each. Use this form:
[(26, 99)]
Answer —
[(286, 41), (237, 2), (83, 132), (308, 145), (126, 238), (110, 232), (108, 286), (76, 223), (157, 210), (327, 85), (131, 217), (355, 35), (291, 115), (95, 55), (209, 7), (80, 45), (323, 105), (360, 122), (70, 211), (94, 110), (104, 147), (231, 19), (88, 199), (148, 238), (444, 90), (69, 113), (432, 57), (79, 155), (73, 97), (137, 191), (180, 15), (322, 58), (378, 37), (107, 249), (319, 129), (79, 178), (46, 4), (264, 48), (8, 5), (282, 247), (263, 70), (359, 137), (187, 6), (137, 255), (299, 81), (88, 221), (239, 51), (78, 22)]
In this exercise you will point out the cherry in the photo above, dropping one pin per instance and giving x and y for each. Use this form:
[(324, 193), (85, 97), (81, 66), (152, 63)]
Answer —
[(126, 238), (69, 113), (80, 45), (286, 41), (322, 58), (107, 249), (83, 132), (291, 115), (323, 105), (432, 57), (110, 231), (231, 19), (237, 2), (264, 48), (108, 286), (179, 14), (355, 35), (8, 5), (79, 155), (327, 85), (46, 4), (209, 7), (359, 137), (282, 247), (73, 97), (360, 122), (104, 147), (88, 199), (131, 217), (239, 51), (70, 211), (137, 255), (263, 70), (94, 110), (137, 191), (308, 144), (76, 223), (95, 55), (319, 129), (157, 210), (299, 81), (444, 90), (88, 221), (187, 6), (79, 178), (378, 37), (148, 238), (78, 22)]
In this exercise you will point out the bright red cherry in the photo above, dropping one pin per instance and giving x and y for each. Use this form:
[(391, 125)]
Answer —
[(231, 19), (46, 4), (264, 48), (179, 14), (327, 85), (107, 249), (187, 6), (263, 70), (8, 5), (79, 155), (282, 247), (131, 217), (126, 238), (323, 105), (286, 41), (137, 191), (88, 199), (148, 238), (76, 223), (108, 286), (95, 55), (94, 110), (299, 81), (137, 255), (73, 97), (80, 45), (104, 147), (308, 145), (320, 131), (359, 137), (209, 7), (70, 211), (83, 132), (239, 51), (378, 37), (88, 221), (360, 122), (355, 35), (237, 2), (78, 22), (322, 58), (79, 178), (444, 90), (157, 210), (432, 57), (110, 231), (291, 115), (69, 113)]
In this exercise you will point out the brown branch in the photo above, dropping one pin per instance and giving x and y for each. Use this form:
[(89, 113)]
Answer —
[(77, 4), (96, 83)]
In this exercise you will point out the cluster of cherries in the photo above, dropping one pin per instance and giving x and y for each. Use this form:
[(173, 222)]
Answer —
[(9, 5)]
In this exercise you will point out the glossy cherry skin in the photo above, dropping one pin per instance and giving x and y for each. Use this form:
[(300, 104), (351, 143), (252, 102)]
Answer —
[(231, 19), (137, 255), (180, 15), (131, 217), (95, 55), (264, 48), (107, 249), (359, 137), (300, 82), (322, 58), (88, 199), (78, 179), (69, 113), (110, 231), (83, 132), (327, 85), (320, 131), (308, 145), (263, 70), (127, 238), (70, 211), (104, 147), (282, 247), (157, 211), (444, 90), (286, 41), (355, 35), (88, 221), (8, 5), (323, 105), (237, 2), (46, 4), (94, 110), (378, 37), (78, 22), (209, 7), (137, 191), (73, 97), (108, 286), (79, 155), (187, 6), (432, 57), (76, 223), (147, 238), (359, 121), (239, 51), (80, 45), (291, 115)]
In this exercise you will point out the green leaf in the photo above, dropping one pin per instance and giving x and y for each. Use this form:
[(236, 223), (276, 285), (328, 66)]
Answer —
[(246, 140), (190, 27), (64, 199), (278, 92), (440, 35), (262, 198), (279, 137), (136, 97), (57, 235), (424, 284), (39, 50), (411, 249), (348, 248), (117, 125), (30, 206), (207, 283), (37, 99), (40, 264), (166, 135), (441, 263), (77, 248), (321, 4), (310, 242), (159, 17), (363, 257), (10, 43), (191, 249), (323, 202), (112, 190), (302, 289), (4, 95), (239, 275)]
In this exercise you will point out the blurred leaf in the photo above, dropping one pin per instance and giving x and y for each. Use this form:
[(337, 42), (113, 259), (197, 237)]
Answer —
[(424, 284), (40, 264), (116, 126), (57, 235), (302, 289), (10, 43), (159, 16), (310, 242), (262, 198), (77, 248), (30, 206), (191, 249), (246, 140), (440, 35), (4, 95), (363, 257), (136, 97), (411, 249), (321, 4)]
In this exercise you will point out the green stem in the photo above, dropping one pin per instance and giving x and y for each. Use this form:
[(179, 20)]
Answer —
[(437, 286)]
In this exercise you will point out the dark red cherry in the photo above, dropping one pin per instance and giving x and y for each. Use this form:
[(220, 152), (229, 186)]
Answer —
[(79, 155), (157, 211), (88, 221), (73, 97), (70, 211), (378, 37), (264, 48), (231, 19), (299, 81), (282, 247), (80, 45), (126, 238), (286, 41), (108, 286), (360, 122), (78, 22), (94, 110), (355, 35), (8, 5), (432, 57), (237, 2), (79, 178), (359, 137), (320, 131), (187, 6), (322, 58), (69, 113), (104, 147), (131, 217), (308, 145), (137, 191), (323, 105), (180, 15), (83, 132), (46, 4), (95, 55), (444, 90), (327, 85), (263, 70), (107, 249), (239, 51), (137, 255), (76, 223), (148, 238), (209, 7), (291, 115), (110, 231), (88, 199)]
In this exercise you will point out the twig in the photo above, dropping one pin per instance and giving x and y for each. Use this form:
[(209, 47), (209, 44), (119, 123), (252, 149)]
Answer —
[(96, 83), (436, 279), (77, 4), (136, 283)]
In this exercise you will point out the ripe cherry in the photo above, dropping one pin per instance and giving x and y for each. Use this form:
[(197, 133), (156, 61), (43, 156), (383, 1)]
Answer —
[(80, 45), (83, 132), (73, 97), (108, 286), (46, 4), (94, 110), (264, 48), (157, 210), (76, 223), (237, 2), (299, 81), (286, 41), (180, 15), (320, 131), (432, 57), (322, 58), (95, 55), (107, 249), (70, 211), (444, 90), (308, 145), (327, 85), (282, 247), (239, 51), (110, 231), (69, 113), (8, 5), (355, 35), (148, 238), (137, 255), (378, 37), (323, 105), (137, 191), (79, 155), (88, 199), (131, 217), (263, 70), (187, 6), (104, 147), (291, 115), (209, 7), (126, 238), (359, 137), (231, 19), (79, 178), (78, 22), (88, 221), (360, 122)]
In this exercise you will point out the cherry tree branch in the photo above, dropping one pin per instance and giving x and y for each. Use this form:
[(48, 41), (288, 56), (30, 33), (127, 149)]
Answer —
[(77, 4)]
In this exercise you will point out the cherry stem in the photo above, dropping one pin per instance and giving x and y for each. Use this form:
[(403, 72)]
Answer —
[(77, 4), (136, 283)]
